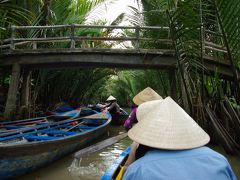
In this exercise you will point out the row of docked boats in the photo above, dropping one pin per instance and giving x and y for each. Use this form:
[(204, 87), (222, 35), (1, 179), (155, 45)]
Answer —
[(28, 144)]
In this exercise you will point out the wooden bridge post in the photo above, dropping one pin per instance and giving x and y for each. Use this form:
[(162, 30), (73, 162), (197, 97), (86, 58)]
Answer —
[(25, 95), (173, 85), (72, 36), (34, 45), (137, 35), (12, 45), (10, 109)]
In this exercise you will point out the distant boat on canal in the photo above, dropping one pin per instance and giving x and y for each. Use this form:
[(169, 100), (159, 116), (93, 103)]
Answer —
[(122, 116), (24, 150)]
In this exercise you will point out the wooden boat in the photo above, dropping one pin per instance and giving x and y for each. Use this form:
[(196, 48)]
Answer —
[(11, 125), (82, 112), (59, 109), (112, 172), (123, 112), (119, 119), (22, 151), (123, 116), (70, 114), (87, 111)]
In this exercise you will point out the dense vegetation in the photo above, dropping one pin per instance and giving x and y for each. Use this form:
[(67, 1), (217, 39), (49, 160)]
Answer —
[(210, 98)]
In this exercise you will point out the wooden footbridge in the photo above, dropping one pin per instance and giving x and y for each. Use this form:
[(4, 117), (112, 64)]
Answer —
[(95, 46)]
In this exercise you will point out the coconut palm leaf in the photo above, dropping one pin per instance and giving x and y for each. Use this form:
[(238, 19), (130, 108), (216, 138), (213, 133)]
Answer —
[(228, 14), (11, 14)]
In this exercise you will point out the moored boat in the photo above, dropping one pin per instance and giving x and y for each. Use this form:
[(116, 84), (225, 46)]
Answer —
[(113, 171), (11, 125), (123, 116), (22, 151)]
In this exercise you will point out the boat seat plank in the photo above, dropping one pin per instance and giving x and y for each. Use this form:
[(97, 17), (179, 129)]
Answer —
[(42, 123), (13, 127), (57, 132), (85, 127), (40, 138), (5, 136)]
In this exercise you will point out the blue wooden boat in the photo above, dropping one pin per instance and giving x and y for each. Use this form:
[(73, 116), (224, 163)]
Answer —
[(123, 112), (82, 112), (87, 111), (24, 150), (112, 172), (70, 114), (122, 116), (11, 125)]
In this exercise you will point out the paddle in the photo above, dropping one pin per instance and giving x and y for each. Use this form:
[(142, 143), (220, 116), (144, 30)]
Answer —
[(98, 146), (75, 126)]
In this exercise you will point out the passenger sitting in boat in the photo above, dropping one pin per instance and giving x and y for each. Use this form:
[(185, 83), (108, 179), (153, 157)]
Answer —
[(148, 94), (114, 109), (171, 146)]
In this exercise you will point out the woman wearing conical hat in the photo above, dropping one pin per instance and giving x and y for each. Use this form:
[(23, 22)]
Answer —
[(114, 109), (148, 94), (171, 146)]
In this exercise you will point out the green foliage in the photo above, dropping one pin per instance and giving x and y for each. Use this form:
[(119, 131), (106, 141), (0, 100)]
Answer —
[(12, 14), (229, 12), (75, 86), (126, 84), (235, 104)]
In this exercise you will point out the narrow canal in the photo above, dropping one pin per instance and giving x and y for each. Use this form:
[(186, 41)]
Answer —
[(94, 165)]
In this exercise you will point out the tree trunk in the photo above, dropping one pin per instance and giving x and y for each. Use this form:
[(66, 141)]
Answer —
[(10, 109)]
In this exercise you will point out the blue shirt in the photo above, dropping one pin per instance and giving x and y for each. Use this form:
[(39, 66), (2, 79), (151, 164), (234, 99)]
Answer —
[(196, 164)]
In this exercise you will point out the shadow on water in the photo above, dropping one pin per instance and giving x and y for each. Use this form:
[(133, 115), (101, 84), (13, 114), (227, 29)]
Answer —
[(94, 165)]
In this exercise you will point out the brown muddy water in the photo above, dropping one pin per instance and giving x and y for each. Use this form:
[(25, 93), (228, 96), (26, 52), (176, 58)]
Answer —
[(93, 166)]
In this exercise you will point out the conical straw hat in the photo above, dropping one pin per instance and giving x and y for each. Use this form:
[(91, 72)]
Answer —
[(144, 108), (111, 98), (148, 94), (167, 126)]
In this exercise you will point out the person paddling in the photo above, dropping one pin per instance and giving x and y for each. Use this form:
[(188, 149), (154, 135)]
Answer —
[(114, 109), (172, 146)]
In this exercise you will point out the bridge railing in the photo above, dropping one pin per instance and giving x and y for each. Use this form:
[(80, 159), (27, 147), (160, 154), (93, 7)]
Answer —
[(150, 38), (88, 36), (213, 46)]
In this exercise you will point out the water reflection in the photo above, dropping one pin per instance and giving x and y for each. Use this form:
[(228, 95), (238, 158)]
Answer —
[(92, 167)]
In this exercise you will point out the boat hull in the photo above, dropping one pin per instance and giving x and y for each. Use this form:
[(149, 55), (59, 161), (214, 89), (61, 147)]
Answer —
[(112, 172), (16, 160)]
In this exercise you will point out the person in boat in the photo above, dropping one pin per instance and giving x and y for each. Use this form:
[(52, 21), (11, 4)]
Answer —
[(114, 109), (172, 146), (147, 94)]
